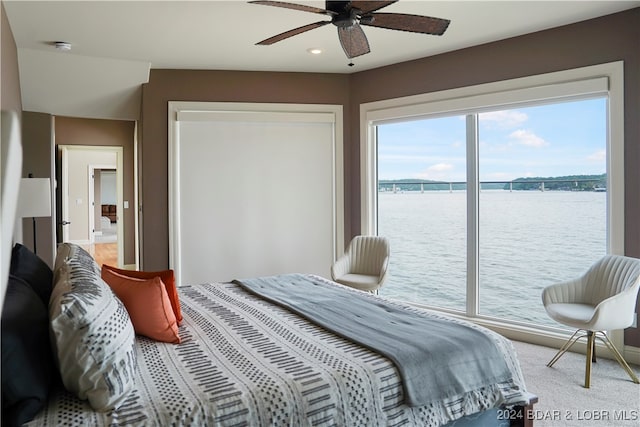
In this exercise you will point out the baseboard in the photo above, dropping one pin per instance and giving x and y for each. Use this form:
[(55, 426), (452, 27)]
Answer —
[(129, 267), (632, 354)]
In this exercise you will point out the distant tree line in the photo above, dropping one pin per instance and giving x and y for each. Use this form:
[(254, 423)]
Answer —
[(559, 183), (562, 183)]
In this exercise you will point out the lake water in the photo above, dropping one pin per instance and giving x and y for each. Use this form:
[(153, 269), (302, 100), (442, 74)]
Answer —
[(528, 240)]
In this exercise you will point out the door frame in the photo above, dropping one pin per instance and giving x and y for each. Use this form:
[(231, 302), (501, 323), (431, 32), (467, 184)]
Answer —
[(119, 151)]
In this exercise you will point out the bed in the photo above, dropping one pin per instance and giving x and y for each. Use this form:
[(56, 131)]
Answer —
[(241, 360)]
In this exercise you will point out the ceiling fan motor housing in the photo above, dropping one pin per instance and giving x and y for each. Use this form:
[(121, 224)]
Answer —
[(348, 16), (337, 6), (345, 20), (343, 14)]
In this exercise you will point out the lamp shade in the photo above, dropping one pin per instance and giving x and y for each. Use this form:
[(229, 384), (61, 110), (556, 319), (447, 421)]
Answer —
[(34, 199)]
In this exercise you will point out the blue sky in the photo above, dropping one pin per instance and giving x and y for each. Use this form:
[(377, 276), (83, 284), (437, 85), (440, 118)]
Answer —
[(559, 139)]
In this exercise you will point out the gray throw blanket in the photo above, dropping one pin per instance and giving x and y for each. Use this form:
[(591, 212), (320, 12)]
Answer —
[(436, 358)]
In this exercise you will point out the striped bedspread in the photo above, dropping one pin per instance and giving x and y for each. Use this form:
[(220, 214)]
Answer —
[(246, 362), (432, 365)]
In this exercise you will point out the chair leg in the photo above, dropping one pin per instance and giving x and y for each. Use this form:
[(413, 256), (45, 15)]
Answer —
[(567, 345), (591, 353), (619, 357), (590, 347)]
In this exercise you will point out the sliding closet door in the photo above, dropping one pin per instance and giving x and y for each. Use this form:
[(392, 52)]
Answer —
[(254, 193)]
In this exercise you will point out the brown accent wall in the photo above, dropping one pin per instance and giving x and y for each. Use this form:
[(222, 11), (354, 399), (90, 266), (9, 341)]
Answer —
[(10, 98), (215, 86), (37, 134), (606, 39), (111, 133)]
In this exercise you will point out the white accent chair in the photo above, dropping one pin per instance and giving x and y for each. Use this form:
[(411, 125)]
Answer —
[(364, 265), (603, 299)]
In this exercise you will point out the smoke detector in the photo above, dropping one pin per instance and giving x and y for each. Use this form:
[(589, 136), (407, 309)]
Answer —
[(64, 46)]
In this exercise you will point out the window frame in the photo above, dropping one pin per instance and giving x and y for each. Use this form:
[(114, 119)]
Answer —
[(580, 83)]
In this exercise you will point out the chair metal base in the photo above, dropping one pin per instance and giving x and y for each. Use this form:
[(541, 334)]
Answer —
[(591, 353)]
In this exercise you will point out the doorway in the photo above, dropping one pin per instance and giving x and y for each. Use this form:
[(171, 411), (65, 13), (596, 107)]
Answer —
[(103, 200), (91, 214)]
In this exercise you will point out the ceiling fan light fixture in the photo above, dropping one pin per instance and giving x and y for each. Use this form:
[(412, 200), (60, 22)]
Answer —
[(314, 50)]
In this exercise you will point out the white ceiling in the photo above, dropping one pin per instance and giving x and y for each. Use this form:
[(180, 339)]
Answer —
[(115, 43)]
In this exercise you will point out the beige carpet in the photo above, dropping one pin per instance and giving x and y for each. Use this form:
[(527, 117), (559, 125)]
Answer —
[(612, 400)]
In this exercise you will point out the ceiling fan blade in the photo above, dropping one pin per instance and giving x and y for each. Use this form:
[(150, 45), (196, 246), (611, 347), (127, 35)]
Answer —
[(353, 41), (292, 6), (290, 33), (371, 6), (411, 23)]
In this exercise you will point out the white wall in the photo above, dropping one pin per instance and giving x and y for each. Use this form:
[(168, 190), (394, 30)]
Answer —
[(78, 187)]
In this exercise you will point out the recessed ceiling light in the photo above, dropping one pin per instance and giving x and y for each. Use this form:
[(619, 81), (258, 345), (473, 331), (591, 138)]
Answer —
[(314, 51), (64, 46)]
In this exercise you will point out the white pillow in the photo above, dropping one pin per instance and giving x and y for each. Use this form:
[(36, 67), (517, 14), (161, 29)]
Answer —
[(91, 333)]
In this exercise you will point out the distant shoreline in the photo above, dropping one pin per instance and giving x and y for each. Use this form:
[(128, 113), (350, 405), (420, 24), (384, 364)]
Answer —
[(594, 190), (596, 183)]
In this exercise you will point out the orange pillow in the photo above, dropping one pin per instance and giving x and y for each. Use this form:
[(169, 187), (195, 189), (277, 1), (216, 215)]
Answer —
[(167, 278), (148, 305)]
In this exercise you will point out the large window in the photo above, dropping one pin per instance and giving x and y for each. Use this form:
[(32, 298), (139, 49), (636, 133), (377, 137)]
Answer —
[(488, 194), (424, 219), (542, 218)]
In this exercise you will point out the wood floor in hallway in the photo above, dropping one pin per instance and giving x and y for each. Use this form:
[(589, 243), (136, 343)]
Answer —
[(103, 253)]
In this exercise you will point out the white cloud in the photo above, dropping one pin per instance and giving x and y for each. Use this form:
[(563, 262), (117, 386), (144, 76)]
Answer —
[(441, 167), (503, 119), (598, 156), (437, 172), (528, 138)]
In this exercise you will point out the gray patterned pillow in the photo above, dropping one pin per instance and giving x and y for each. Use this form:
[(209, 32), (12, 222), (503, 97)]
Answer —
[(92, 336)]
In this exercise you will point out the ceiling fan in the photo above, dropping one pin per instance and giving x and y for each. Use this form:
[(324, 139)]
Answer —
[(349, 15)]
